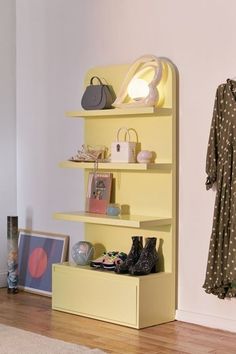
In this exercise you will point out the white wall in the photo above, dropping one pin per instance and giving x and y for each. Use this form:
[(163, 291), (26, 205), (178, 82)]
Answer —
[(57, 41), (7, 125)]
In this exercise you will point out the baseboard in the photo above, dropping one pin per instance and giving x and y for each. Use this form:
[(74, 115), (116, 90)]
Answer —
[(3, 279), (225, 324)]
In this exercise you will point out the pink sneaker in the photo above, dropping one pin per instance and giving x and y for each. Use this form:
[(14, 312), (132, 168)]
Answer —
[(112, 259), (97, 263), (109, 260)]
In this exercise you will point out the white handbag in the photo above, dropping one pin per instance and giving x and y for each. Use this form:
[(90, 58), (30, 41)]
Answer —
[(123, 151)]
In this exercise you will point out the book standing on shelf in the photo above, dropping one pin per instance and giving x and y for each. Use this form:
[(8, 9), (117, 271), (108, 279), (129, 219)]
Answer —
[(98, 192)]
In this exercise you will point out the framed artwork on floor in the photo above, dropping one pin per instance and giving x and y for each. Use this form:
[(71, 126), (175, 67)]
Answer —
[(37, 251)]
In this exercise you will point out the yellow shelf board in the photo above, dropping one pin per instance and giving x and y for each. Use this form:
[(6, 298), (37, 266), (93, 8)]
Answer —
[(162, 111), (136, 221), (116, 166), (87, 268)]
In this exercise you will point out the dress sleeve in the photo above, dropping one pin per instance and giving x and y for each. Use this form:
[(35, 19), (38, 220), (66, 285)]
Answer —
[(213, 143)]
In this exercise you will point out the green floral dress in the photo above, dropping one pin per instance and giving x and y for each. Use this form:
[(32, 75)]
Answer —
[(221, 170)]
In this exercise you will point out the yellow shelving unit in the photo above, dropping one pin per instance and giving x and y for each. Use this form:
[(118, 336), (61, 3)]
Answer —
[(150, 192)]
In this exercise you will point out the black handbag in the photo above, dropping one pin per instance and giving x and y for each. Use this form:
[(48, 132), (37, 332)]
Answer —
[(98, 96)]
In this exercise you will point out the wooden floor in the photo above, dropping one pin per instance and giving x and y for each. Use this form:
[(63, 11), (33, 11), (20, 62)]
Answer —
[(33, 313)]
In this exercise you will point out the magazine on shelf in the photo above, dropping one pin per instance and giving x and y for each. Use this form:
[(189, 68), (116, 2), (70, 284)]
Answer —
[(98, 192)]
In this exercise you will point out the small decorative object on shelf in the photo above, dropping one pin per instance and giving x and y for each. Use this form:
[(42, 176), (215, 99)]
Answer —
[(12, 261), (123, 151), (145, 156), (98, 192), (113, 209), (99, 96), (82, 252), (89, 154), (135, 90)]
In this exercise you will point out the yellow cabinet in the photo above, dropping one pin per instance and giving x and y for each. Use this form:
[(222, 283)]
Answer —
[(150, 192), (122, 299), (96, 294)]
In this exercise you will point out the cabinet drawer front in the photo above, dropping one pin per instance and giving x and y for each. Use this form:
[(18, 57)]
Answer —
[(105, 296)]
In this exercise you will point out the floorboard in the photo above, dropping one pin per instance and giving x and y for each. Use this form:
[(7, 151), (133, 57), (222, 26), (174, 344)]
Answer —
[(33, 313)]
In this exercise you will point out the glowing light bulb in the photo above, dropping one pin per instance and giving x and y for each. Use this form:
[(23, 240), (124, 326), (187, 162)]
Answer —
[(138, 89)]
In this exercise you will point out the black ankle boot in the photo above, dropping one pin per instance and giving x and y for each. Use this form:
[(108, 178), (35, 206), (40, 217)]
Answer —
[(132, 257), (147, 262)]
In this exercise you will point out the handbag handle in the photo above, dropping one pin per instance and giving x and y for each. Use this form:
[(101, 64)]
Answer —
[(95, 77), (126, 133)]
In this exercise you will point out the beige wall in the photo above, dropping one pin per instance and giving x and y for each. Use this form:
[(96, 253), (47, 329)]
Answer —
[(57, 40)]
